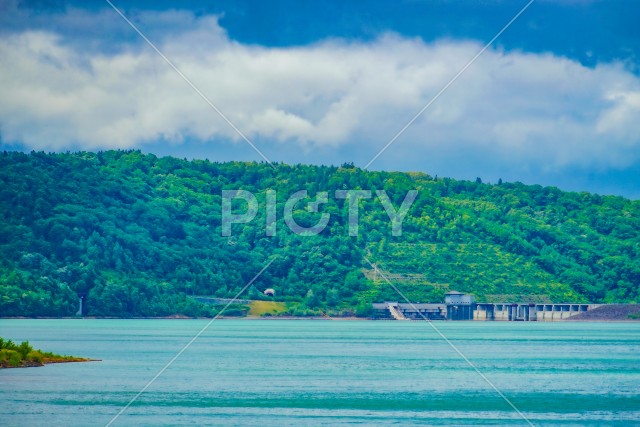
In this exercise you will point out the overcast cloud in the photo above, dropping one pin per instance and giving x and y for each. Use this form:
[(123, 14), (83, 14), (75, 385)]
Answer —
[(533, 111)]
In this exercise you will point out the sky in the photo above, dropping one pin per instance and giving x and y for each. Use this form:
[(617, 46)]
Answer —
[(555, 100)]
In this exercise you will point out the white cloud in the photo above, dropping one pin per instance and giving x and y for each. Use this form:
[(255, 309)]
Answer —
[(622, 119), (537, 111)]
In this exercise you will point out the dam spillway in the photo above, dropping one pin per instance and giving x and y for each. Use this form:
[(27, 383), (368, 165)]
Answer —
[(514, 312), (529, 312), (459, 306)]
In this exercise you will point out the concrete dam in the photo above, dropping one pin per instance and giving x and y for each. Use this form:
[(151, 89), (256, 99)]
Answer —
[(459, 306)]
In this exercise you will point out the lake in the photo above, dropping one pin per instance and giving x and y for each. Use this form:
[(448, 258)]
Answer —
[(321, 372)]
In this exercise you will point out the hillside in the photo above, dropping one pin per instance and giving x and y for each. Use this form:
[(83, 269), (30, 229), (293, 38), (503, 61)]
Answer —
[(138, 235)]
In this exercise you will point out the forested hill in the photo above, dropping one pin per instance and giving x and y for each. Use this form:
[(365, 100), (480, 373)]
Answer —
[(139, 235)]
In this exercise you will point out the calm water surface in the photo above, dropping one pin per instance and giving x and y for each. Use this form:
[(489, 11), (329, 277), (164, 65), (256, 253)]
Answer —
[(333, 373)]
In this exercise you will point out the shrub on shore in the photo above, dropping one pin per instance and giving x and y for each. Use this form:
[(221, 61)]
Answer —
[(14, 355)]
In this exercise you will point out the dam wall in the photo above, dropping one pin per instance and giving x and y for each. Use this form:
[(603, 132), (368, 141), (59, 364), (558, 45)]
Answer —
[(528, 312), (468, 310)]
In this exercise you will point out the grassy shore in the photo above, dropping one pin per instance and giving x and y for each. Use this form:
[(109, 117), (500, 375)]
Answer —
[(23, 355)]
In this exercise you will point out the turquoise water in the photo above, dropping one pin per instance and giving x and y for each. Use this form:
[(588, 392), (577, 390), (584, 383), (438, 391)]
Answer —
[(333, 373)]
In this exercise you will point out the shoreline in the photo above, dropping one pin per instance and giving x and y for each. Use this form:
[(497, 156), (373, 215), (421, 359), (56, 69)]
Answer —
[(32, 364), (270, 318)]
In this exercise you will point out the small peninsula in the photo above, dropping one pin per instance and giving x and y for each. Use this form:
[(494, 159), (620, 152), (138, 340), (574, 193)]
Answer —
[(23, 355)]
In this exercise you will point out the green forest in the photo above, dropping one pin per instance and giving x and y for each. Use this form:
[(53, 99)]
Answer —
[(134, 234)]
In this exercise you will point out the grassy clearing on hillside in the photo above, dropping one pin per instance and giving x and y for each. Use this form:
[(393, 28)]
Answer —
[(262, 308)]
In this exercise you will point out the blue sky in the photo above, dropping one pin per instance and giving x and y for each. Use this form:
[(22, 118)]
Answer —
[(555, 101)]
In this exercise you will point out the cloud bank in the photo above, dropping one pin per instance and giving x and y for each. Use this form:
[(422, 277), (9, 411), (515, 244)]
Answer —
[(532, 111)]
